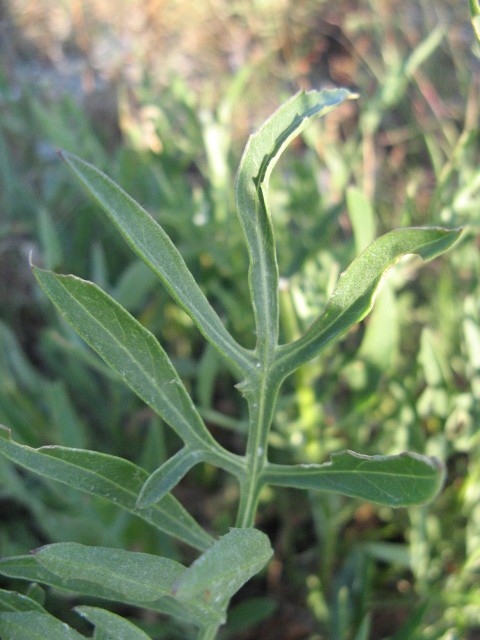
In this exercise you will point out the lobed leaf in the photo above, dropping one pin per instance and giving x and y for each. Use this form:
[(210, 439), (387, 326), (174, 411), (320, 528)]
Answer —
[(354, 294), (109, 477), (150, 242), (35, 625), (113, 626), (251, 192), (129, 348), (142, 577), (398, 481)]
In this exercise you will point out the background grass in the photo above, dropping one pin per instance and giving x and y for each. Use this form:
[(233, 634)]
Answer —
[(162, 95)]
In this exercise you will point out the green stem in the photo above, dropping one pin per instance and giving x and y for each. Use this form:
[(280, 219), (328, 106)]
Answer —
[(261, 407)]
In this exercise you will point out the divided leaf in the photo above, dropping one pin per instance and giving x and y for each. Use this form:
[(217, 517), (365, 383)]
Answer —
[(150, 242), (354, 294), (251, 192), (109, 477), (397, 481)]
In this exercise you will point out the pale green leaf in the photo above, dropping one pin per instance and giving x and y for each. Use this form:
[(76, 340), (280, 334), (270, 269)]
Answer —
[(109, 477), (398, 481), (354, 294), (12, 601), (27, 568), (167, 476), (137, 576), (150, 242), (114, 627), (221, 570), (129, 348), (260, 156), (35, 626)]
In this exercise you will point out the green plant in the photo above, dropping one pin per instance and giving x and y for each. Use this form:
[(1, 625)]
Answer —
[(199, 595), (475, 17)]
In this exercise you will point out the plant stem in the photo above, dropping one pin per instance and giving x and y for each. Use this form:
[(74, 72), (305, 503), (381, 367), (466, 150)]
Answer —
[(261, 407)]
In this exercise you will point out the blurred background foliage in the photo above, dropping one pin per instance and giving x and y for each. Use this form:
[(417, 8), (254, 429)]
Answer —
[(162, 94)]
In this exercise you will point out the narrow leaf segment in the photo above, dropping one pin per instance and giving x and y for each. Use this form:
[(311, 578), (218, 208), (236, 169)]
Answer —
[(140, 576), (261, 154), (355, 292), (115, 479), (398, 481), (130, 349), (28, 568), (150, 242), (111, 625), (167, 476)]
